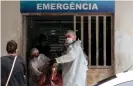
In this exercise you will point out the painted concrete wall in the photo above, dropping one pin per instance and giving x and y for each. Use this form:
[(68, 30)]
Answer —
[(11, 21), (12, 29), (95, 75), (123, 35)]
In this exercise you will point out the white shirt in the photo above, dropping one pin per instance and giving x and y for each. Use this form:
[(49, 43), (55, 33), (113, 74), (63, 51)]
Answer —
[(37, 64)]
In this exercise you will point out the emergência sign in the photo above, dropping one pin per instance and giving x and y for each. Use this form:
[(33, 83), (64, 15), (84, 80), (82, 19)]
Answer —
[(66, 6)]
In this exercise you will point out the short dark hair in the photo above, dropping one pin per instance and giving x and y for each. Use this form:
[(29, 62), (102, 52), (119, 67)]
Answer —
[(11, 46)]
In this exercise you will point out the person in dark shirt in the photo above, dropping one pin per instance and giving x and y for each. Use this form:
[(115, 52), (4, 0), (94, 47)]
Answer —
[(18, 77)]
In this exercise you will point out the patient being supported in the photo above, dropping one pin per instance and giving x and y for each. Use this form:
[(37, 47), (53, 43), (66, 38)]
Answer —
[(52, 78)]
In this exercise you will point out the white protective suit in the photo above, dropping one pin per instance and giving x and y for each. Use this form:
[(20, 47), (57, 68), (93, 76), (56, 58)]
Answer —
[(38, 63), (75, 65)]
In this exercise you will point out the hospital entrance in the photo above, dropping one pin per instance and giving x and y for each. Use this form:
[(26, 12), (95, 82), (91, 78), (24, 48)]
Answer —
[(46, 32)]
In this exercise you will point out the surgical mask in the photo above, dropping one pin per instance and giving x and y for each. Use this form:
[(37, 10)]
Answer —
[(36, 54), (68, 41)]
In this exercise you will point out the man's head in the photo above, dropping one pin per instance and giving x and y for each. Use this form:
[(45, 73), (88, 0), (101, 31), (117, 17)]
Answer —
[(35, 52), (70, 37), (11, 47)]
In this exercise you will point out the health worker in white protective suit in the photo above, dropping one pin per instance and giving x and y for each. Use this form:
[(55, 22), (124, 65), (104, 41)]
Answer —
[(74, 62)]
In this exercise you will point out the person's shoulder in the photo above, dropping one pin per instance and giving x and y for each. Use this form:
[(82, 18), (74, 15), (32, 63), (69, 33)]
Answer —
[(4, 58), (42, 56), (78, 42), (20, 58), (75, 43)]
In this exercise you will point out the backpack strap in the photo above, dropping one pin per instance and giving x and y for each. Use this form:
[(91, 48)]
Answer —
[(11, 71)]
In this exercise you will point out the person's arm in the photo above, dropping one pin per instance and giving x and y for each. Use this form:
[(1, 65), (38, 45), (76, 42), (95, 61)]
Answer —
[(68, 57), (35, 70)]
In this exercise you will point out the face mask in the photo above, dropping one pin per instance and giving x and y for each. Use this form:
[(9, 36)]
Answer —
[(36, 55), (68, 41)]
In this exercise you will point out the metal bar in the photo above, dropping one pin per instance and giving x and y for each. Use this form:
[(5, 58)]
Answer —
[(82, 28), (97, 42), (74, 24), (55, 21), (112, 40), (57, 14), (100, 67), (104, 39), (89, 31)]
